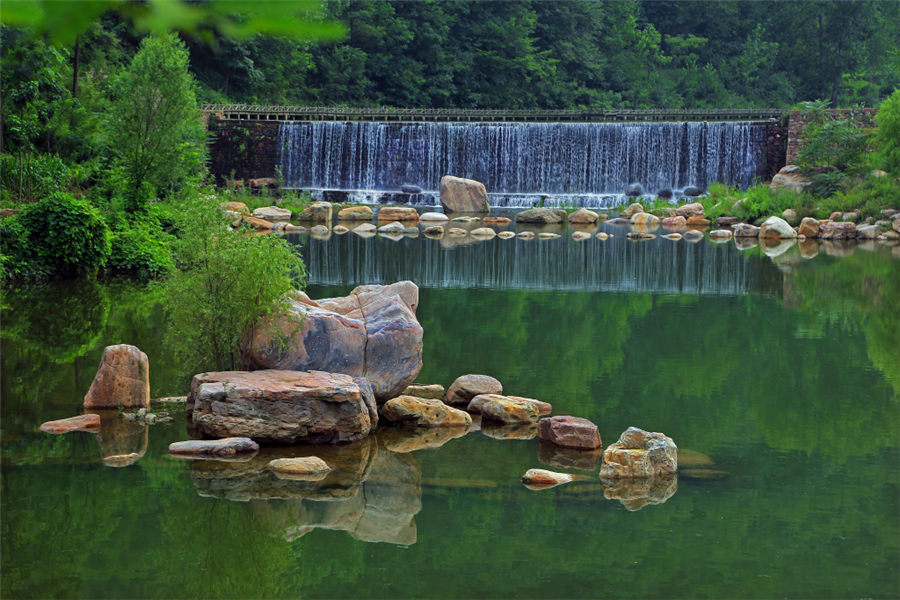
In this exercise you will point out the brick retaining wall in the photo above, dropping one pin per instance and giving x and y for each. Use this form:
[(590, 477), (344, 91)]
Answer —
[(864, 117)]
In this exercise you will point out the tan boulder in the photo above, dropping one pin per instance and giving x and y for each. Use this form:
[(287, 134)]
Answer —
[(835, 216), (690, 210), (355, 213), (273, 214), (541, 216), (838, 230), (305, 465), (673, 236), (602, 236), (674, 222), (431, 392), (809, 228), (282, 407), (123, 379), (789, 178), (496, 220), (639, 453), (544, 408), (720, 235), (632, 209), (483, 232), (397, 213), (463, 195), (238, 207), (423, 412), (583, 215), (697, 221), (508, 411), (645, 219), (466, 387), (543, 479), (746, 230), (257, 223), (776, 227), (569, 432), (317, 212), (505, 235)]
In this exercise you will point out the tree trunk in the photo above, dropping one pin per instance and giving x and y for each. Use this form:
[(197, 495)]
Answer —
[(75, 69)]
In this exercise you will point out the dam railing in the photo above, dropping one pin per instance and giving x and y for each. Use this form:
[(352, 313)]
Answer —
[(259, 112)]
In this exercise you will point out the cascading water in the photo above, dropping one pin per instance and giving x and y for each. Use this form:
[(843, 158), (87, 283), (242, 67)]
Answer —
[(586, 164)]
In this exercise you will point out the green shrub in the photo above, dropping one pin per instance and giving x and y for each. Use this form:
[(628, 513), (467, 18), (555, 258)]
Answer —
[(870, 196), (140, 249), (888, 133), (41, 175), (66, 235)]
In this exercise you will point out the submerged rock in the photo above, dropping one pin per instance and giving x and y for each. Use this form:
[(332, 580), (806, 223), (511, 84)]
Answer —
[(463, 195), (371, 333), (423, 412), (514, 431), (79, 423), (692, 235), (219, 448), (639, 453), (466, 387), (282, 407), (570, 432), (123, 379), (580, 236), (544, 479)]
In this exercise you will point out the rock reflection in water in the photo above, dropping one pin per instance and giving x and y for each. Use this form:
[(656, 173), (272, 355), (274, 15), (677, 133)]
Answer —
[(524, 431), (746, 243), (410, 439), (635, 494), (569, 458), (122, 442), (371, 492), (776, 247)]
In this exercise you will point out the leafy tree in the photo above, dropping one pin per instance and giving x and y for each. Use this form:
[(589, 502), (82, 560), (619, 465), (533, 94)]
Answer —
[(888, 133), (154, 126), (225, 281)]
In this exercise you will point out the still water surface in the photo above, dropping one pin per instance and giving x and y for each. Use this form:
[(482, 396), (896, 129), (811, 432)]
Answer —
[(784, 371)]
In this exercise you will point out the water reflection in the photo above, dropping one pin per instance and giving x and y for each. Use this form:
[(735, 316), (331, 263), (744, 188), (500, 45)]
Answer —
[(635, 494), (371, 493)]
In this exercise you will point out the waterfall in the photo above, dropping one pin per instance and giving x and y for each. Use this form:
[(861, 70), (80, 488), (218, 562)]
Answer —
[(519, 163)]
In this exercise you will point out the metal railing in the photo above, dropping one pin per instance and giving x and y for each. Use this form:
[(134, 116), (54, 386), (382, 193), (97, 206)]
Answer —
[(272, 112)]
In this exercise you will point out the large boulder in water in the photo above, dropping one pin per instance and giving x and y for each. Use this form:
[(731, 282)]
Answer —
[(318, 212), (282, 407), (371, 333), (639, 453), (463, 195), (776, 227), (123, 379)]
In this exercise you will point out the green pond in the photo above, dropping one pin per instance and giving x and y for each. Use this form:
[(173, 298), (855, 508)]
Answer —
[(776, 371)]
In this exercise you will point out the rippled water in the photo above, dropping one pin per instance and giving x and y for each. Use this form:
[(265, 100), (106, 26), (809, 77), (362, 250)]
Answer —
[(781, 372)]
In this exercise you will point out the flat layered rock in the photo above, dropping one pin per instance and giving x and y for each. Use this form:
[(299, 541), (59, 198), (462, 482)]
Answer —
[(508, 411), (79, 423), (355, 213), (542, 216), (123, 379), (570, 432), (217, 448), (273, 214), (282, 407), (306, 465), (640, 454), (397, 213), (465, 388), (431, 392), (423, 412)]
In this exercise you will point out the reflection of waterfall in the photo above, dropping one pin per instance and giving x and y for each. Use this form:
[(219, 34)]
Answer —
[(578, 159), (657, 266)]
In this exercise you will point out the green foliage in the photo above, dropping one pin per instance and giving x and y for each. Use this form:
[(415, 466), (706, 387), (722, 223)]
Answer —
[(887, 121), (870, 196), (140, 249), (225, 281), (834, 141), (155, 126), (32, 176), (58, 236)]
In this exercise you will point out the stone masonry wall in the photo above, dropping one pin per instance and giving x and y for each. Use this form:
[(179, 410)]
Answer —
[(249, 148), (798, 122)]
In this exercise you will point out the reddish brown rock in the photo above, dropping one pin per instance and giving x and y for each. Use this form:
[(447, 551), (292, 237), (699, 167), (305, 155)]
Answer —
[(79, 423), (406, 214), (463, 195), (674, 222), (639, 453), (371, 333), (423, 412), (282, 407), (465, 388), (570, 432), (217, 448), (123, 379)]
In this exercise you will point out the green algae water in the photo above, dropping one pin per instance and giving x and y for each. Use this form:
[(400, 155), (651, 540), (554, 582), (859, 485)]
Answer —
[(776, 370)]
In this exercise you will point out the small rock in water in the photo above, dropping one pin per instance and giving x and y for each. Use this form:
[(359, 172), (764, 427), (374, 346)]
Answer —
[(221, 447), (720, 234), (433, 216), (340, 229), (544, 479), (466, 387), (692, 236), (640, 236), (547, 236), (570, 432), (505, 235), (525, 235), (580, 236), (395, 227), (433, 230), (365, 228), (544, 408), (466, 219), (638, 454), (485, 232), (618, 221), (423, 412), (702, 474), (458, 232), (81, 422), (602, 236), (508, 411), (496, 220), (672, 236), (583, 215)]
